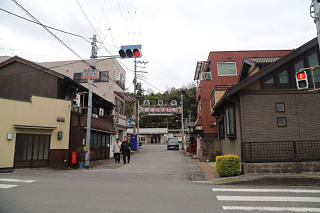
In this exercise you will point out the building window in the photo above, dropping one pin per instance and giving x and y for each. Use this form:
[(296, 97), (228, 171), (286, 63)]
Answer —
[(142, 139), (230, 122), (221, 129), (77, 77), (104, 75), (284, 77), (314, 61), (281, 121), (227, 68), (280, 107), (298, 65), (269, 81), (119, 106)]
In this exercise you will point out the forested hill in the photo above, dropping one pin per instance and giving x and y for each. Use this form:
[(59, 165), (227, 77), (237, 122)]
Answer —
[(172, 122)]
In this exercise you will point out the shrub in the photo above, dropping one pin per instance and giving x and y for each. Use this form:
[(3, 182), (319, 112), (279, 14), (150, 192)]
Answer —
[(228, 165)]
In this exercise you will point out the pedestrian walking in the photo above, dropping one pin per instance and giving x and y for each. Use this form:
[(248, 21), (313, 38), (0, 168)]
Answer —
[(116, 151), (125, 150)]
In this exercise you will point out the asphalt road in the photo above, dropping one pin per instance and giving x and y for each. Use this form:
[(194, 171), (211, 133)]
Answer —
[(156, 180)]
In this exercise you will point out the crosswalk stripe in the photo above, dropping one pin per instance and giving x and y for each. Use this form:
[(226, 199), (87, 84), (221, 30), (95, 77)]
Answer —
[(6, 186), (16, 180), (269, 198), (275, 209), (265, 190)]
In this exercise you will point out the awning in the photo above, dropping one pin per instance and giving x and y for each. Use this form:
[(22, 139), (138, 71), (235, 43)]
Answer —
[(18, 126)]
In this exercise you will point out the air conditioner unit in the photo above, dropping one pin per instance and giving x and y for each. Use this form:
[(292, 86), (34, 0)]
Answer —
[(160, 102), (206, 76), (146, 102)]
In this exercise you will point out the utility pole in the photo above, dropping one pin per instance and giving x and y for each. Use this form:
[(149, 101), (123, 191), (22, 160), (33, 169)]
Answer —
[(135, 92), (94, 50), (315, 14), (138, 122), (182, 123)]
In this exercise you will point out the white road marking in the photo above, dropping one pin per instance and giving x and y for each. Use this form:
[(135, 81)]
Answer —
[(266, 190), (6, 186), (269, 198), (271, 209), (16, 180)]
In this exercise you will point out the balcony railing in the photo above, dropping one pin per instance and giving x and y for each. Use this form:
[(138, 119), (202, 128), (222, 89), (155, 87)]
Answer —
[(104, 123)]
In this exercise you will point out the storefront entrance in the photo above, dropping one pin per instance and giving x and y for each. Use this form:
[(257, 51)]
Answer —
[(99, 146), (31, 150)]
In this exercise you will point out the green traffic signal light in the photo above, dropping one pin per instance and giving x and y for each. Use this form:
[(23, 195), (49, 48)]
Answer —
[(122, 53)]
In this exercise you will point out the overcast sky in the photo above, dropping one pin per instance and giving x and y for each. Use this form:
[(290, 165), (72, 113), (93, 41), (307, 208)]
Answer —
[(174, 34)]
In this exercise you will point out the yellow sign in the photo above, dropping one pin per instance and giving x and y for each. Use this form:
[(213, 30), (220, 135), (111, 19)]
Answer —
[(198, 127), (84, 148)]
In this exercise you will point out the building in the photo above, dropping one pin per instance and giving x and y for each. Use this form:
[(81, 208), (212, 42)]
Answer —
[(218, 73), (110, 85), (151, 135), (34, 133), (21, 79), (266, 121)]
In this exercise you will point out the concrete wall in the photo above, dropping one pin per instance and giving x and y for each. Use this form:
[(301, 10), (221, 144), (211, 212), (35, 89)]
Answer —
[(281, 167), (39, 112)]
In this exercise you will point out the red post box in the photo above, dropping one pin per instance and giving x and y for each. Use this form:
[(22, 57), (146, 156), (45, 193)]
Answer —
[(74, 158)]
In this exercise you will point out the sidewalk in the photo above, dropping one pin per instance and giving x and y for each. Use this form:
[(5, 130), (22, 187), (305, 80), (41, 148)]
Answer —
[(209, 174)]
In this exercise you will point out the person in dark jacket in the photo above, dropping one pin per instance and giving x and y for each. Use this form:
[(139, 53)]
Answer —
[(125, 150)]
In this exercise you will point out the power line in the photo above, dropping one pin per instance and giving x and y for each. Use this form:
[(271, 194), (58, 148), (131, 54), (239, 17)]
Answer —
[(46, 28), (104, 47), (55, 36), (87, 18), (53, 28)]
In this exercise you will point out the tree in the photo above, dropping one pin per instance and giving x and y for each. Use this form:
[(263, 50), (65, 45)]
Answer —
[(189, 109)]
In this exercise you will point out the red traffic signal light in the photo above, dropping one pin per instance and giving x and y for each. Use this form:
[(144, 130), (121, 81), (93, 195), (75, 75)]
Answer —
[(136, 53), (301, 75), (302, 80)]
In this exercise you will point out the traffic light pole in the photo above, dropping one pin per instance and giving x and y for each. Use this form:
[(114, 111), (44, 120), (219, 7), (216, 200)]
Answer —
[(135, 92), (316, 7), (89, 113)]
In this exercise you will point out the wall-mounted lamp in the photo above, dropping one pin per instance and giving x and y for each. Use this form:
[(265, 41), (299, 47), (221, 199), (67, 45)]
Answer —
[(9, 136), (59, 135)]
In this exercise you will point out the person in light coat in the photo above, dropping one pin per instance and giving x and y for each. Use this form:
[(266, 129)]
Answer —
[(116, 151)]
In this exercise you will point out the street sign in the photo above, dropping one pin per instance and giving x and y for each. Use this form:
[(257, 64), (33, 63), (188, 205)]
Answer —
[(124, 47), (90, 74), (160, 110)]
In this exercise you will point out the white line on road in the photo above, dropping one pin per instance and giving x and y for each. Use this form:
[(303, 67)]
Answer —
[(271, 209), (270, 198), (265, 190), (16, 180), (6, 186)]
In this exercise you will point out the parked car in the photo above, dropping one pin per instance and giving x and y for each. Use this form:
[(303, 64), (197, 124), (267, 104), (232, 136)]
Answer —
[(173, 144)]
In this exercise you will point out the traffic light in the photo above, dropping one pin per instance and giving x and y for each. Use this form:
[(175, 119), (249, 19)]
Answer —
[(302, 80), (130, 51), (76, 100)]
